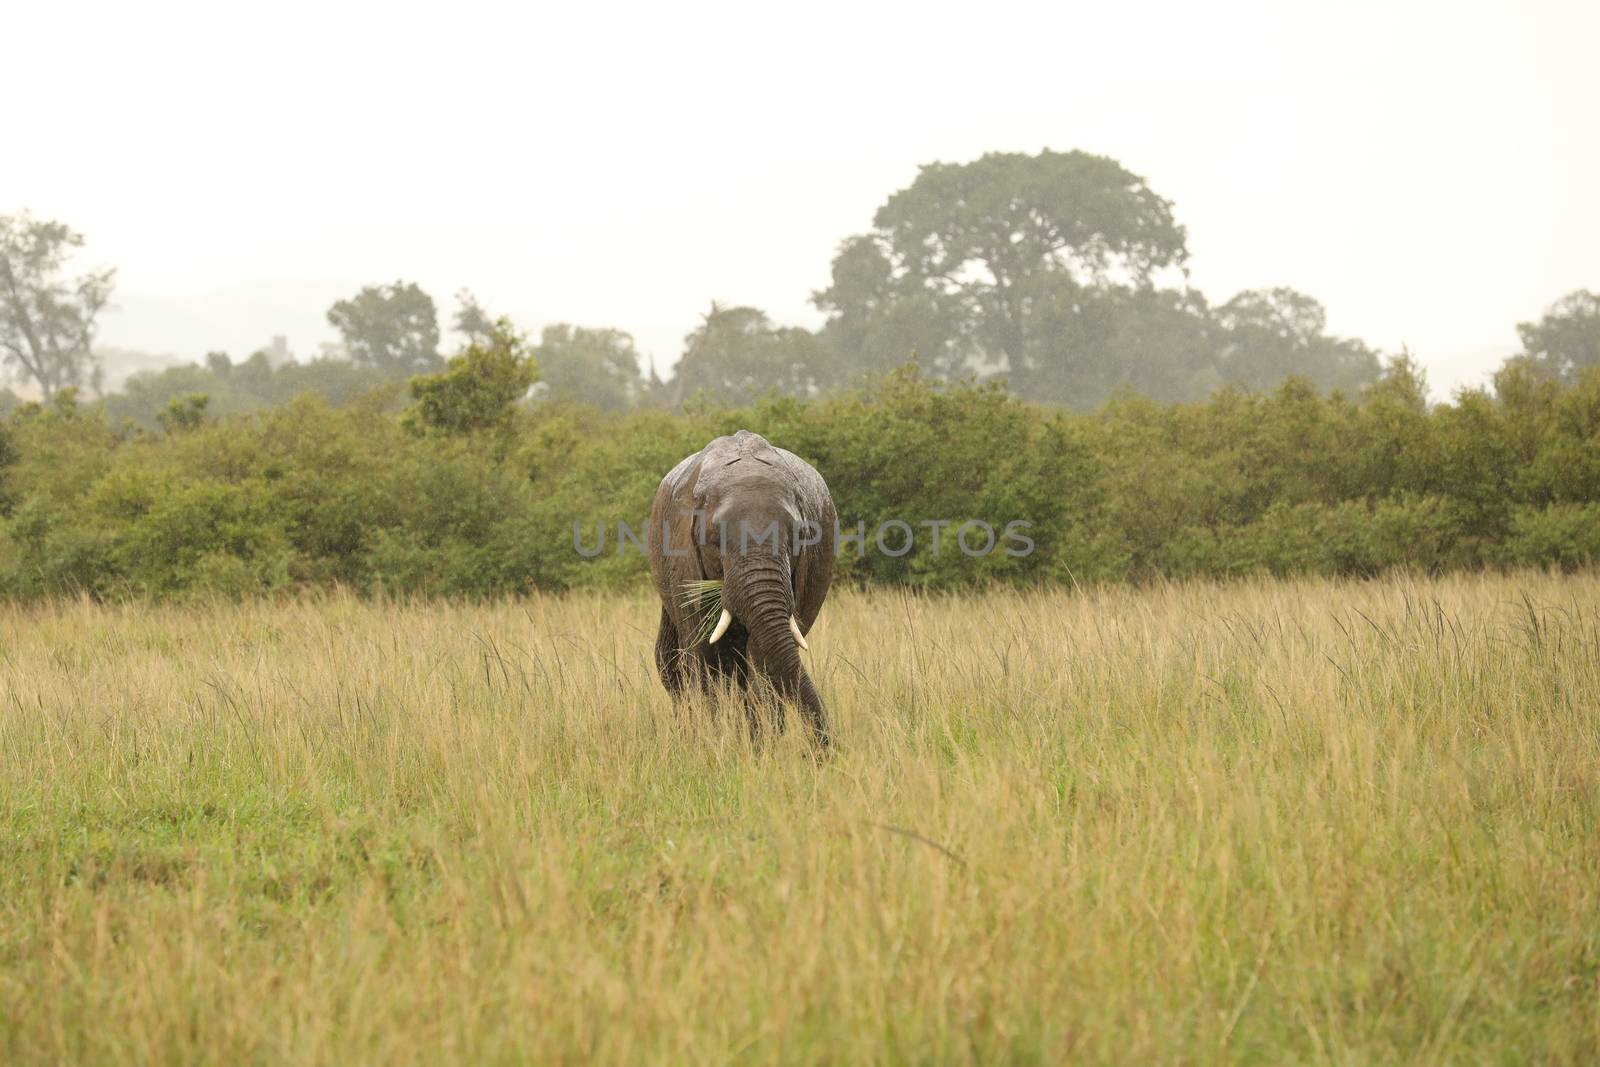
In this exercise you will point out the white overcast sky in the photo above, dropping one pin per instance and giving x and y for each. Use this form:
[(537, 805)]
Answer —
[(1428, 170)]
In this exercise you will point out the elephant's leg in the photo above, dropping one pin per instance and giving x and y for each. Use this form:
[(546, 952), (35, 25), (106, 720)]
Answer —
[(726, 661), (669, 656), (762, 702), (684, 669), (724, 668)]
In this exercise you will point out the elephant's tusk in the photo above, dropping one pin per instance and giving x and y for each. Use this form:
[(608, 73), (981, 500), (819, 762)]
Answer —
[(722, 626), (799, 638)]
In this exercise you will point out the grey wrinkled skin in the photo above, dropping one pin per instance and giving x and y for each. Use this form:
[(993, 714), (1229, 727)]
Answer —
[(741, 482)]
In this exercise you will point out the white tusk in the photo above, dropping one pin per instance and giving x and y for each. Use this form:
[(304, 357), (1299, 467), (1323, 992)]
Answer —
[(799, 638), (722, 626)]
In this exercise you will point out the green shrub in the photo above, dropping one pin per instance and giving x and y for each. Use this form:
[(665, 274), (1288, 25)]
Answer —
[(1557, 535), (474, 494)]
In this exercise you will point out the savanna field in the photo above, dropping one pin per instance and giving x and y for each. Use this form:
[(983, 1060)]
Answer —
[(1268, 821)]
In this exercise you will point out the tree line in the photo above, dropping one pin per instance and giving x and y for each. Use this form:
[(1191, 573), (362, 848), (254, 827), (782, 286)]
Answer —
[(1059, 274), (1220, 441), (468, 490)]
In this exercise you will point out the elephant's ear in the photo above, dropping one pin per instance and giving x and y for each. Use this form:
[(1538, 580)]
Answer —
[(687, 498)]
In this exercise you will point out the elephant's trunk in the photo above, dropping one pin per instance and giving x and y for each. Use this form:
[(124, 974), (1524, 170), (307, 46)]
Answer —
[(760, 595)]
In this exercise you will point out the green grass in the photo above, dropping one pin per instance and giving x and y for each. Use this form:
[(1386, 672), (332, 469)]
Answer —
[(1265, 822)]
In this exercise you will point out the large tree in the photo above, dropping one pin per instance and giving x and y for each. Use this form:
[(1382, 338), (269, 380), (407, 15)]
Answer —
[(590, 366), (1157, 342), (471, 320), (881, 319), (1566, 341), (737, 354), (394, 328), (971, 260), (1266, 335), (47, 319)]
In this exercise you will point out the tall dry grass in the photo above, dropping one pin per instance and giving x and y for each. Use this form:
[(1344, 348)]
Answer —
[(1270, 822)]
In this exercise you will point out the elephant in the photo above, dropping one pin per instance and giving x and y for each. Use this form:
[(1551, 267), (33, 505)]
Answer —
[(751, 529)]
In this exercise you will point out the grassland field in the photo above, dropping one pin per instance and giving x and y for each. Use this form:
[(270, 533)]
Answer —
[(1265, 822)]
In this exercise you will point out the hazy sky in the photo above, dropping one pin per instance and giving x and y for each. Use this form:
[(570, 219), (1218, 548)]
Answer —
[(1428, 170)]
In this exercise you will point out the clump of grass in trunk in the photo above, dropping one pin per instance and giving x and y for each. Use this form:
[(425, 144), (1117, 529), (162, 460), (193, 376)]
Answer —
[(705, 597)]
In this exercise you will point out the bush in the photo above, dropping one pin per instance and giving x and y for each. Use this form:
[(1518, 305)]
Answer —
[(476, 390), (1557, 535), (475, 494)]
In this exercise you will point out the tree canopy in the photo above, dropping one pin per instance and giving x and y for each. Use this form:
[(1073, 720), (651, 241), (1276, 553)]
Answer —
[(477, 389), (737, 354), (1266, 334), (589, 366), (1566, 340), (1064, 274), (471, 320), (394, 328), (47, 319), (1022, 265)]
